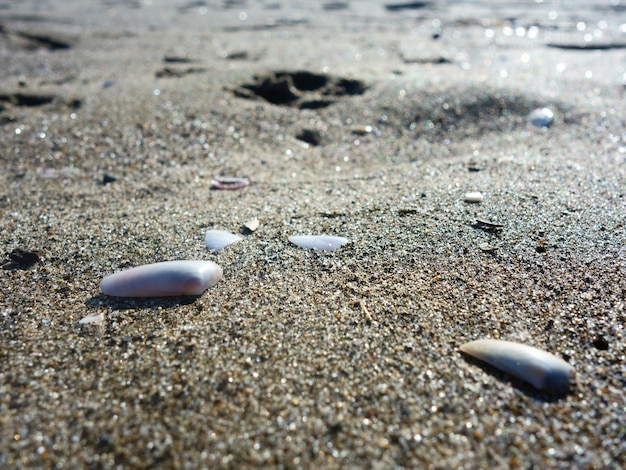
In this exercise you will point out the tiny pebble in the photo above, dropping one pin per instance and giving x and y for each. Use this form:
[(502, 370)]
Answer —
[(361, 130), (474, 197), (310, 136), (252, 224), (108, 178), (541, 117), (600, 343)]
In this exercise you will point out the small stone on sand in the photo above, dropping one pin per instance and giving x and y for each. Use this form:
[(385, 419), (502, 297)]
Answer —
[(474, 197)]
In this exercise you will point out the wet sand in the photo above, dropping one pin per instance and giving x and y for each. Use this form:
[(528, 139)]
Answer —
[(350, 119)]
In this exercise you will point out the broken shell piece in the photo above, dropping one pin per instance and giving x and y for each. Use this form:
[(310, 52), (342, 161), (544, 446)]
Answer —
[(216, 240), (92, 319), (229, 182), (251, 225), (474, 197), (318, 242), (541, 117), (169, 278), (543, 370)]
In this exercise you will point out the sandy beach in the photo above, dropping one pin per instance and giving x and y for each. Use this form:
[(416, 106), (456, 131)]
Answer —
[(361, 119)]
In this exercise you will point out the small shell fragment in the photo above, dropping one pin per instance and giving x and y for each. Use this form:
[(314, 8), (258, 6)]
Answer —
[(540, 368), (318, 242), (92, 319), (252, 224), (229, 182), (541, 117), (473, 197), (216, 240), (169, 278)]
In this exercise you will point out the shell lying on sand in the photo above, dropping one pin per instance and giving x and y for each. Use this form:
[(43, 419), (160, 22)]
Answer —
[(216, 240), (318, 242), (169, 278), (543, 370)]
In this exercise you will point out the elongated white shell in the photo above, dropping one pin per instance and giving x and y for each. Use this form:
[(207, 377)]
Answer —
[(169, 278), (216, 240), (541, 369), (318, 242)]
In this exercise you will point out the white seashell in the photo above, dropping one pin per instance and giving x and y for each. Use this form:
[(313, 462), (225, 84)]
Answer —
[(169, 278), (216, 240), (318, 242), (93, 319), (474, 197), (541, 369), (541, 117)]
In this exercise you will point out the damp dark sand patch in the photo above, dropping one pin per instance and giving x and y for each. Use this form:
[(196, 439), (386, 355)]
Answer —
[(11, 100), (302, 89), (32, 40), (25, 99)]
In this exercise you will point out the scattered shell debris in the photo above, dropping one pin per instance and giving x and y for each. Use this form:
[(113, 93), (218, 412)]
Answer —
[(318, 242), (541, 117), (540, 368), (217, 240), (168, 278), (474, 197)]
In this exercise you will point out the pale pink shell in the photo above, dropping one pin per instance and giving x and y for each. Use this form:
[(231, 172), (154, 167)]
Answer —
[(169, 278)]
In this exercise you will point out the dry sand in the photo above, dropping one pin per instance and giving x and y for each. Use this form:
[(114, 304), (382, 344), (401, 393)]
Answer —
[(300, 358)]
